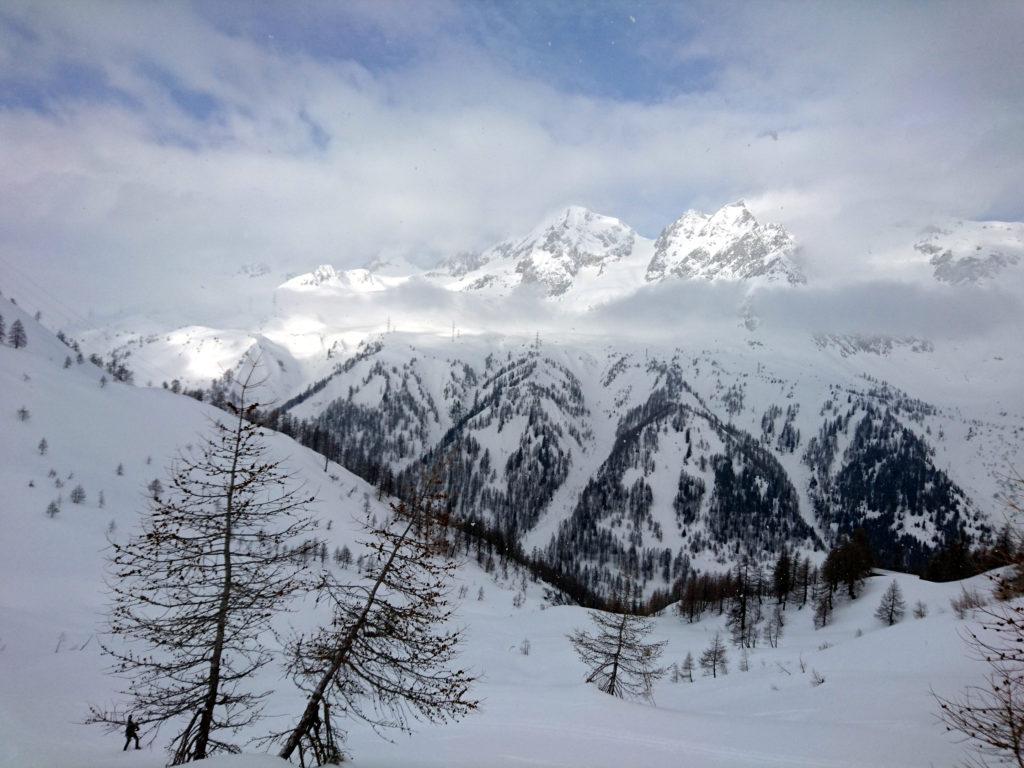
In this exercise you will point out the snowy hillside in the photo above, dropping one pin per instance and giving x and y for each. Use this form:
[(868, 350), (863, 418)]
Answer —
[(613, 464), (874, 700)]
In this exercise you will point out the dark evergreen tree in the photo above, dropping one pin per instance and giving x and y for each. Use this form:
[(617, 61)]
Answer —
[(18, 337), (954, 562), (782, 577), (823, 603), (744, 612)]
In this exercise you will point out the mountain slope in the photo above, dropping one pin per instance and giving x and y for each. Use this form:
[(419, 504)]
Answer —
[(615, 466)]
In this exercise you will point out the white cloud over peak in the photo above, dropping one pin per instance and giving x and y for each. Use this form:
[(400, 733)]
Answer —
[(144, 147)]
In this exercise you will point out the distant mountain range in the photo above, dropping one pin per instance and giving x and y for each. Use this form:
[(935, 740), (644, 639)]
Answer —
[(633, 458)]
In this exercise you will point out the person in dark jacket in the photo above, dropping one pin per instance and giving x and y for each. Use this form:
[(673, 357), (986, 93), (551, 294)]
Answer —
[(131, 731)]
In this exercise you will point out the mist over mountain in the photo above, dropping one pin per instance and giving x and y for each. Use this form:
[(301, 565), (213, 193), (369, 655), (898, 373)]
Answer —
[(590, 383)]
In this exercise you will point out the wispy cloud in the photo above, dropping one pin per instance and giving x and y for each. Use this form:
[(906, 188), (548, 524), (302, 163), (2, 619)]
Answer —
[(142, 145)]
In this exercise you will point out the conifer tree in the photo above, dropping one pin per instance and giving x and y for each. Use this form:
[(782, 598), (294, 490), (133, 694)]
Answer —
[(822, 604), (18, 336), (714, 659), (687, 669), (196, 590), (744, 609), (3, 330), (892, 607), (990, 716), (388, 653), (622, 662), (782, 577)]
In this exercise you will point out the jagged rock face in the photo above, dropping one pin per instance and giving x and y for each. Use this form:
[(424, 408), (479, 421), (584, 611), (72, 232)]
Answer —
[(969, 269), (972, 251), (462, 263), (729, 245), (580, 238), (552, 255), (849, 344)]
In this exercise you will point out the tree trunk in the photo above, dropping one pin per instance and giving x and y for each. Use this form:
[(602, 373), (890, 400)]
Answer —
[(613, 678), (205, 722), (309, 715)]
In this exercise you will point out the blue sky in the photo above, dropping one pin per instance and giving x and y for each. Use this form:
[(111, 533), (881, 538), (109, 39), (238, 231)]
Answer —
[(138, 135), (600, 48)]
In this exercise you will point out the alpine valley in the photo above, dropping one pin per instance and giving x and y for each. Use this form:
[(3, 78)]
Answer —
[(624, 460)]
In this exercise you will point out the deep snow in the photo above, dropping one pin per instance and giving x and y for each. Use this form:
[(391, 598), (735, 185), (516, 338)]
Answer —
[(874, 708)]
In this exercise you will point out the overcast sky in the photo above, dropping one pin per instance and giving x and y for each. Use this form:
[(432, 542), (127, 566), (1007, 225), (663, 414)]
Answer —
[(144, 147)]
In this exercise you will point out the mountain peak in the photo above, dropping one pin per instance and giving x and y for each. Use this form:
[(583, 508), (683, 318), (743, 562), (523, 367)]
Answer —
[(733, 216), (730, 244), (550, 256), (358, 280)]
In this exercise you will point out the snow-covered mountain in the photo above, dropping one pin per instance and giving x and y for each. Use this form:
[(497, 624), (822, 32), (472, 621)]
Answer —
[(357, 280), (115, 439), (973, 251), (611, 463), (575, 242), (727, 245), (613, 455), (580, 258)]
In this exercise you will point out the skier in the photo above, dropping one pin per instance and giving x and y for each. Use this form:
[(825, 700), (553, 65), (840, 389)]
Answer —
[(131, 731)]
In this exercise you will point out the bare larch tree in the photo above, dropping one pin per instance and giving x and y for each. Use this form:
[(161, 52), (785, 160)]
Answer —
[(714, 659), (621, 661), (217, 558), (388, 655), (892, 606), (990, 716)]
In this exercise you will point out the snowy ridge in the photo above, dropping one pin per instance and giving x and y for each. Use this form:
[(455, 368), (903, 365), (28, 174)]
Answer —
[(973, 251), (580, 258), (727, 245), (350, 280), (550, 257)]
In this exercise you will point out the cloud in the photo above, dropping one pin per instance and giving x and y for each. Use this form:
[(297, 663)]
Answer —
[(697, 312), (145, 147)]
